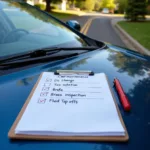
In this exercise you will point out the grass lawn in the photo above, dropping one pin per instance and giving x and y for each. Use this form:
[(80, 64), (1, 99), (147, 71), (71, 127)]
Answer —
[(69, 12), (61, 16), (139, 31), (66, 14)]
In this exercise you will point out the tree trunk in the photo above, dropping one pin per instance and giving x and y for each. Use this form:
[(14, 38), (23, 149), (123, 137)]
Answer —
[(48, 5)]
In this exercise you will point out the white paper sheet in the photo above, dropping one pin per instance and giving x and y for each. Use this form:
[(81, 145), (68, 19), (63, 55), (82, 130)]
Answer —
[(71, 105)]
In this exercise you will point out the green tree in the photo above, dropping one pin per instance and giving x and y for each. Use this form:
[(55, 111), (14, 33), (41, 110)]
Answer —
[(72, 2), (107, 4), (122, 5), (77, 3), (80, 4), (89, 4), (104, 3), (97, 5), (136, 10)]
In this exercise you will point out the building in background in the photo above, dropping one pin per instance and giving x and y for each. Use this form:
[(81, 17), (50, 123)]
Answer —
[(31, 2), (63, 5)]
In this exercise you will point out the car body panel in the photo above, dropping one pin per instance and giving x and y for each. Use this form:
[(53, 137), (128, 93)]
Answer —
[(131, 68)]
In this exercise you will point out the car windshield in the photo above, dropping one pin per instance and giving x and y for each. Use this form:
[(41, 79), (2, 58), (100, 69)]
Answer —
[(24, 28)]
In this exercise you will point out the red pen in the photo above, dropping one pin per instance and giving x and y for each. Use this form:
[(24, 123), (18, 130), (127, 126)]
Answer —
[(123, 98)]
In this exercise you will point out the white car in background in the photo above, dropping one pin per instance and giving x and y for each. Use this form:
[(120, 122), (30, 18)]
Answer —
[(105, 11)]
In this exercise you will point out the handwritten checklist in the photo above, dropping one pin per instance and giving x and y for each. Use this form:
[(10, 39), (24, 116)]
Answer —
[(69, 89), (71, 105)]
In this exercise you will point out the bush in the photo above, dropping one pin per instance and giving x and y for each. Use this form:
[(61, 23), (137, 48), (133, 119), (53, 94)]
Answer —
[(80, 4), (54, 6), (40, 6), (116, 12)]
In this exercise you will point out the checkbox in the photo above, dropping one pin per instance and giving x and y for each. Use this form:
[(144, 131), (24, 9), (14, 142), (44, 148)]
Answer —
[(45, 88), (41, 100), (42, 94), (47, 84), (48, 80)]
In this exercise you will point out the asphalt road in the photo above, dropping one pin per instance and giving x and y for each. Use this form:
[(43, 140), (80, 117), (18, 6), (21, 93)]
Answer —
[(100, 28)]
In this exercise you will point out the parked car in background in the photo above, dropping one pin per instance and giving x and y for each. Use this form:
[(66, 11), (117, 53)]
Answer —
[(33, 41), (105, 11)]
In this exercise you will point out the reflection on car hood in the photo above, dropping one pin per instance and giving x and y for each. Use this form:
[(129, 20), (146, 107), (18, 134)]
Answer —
[(133, 71)]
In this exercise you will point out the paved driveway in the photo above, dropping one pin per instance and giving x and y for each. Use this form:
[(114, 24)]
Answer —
[(99, 27)]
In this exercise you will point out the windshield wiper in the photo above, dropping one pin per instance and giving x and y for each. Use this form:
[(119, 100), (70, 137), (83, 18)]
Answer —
[(43, 55), (23, 62), (43, 52)]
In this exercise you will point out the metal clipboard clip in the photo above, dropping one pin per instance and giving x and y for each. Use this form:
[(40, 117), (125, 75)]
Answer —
[(77, 72)]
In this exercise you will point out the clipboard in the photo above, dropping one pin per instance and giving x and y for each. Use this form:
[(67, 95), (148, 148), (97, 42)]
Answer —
[(13, 136)]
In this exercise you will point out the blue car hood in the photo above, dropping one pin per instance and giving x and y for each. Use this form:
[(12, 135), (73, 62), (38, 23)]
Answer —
[(133, 71)]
